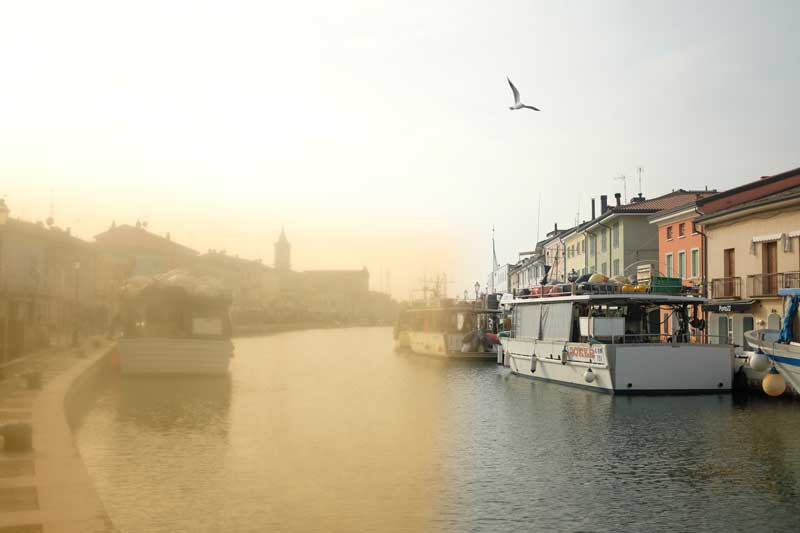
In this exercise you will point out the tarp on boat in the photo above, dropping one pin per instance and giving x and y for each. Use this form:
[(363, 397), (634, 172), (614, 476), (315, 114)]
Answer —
[(193, 286)]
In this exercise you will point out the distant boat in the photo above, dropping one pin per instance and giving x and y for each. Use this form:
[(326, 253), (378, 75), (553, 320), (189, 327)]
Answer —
[(449, 330), (175, 323)]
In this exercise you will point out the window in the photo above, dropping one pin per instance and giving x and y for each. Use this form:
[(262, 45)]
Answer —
[(603, 244), (748, 324), (604, 269), (591, 244), (681, 264), (695, 230), (682, 230), (615, 271), (615, 235), (695, 263), (669, 233), (670, 266)]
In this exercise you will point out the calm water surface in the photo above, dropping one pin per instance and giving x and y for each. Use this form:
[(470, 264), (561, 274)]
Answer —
[(332, 430)]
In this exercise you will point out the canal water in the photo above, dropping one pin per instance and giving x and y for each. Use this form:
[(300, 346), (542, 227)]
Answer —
[(333, 430)]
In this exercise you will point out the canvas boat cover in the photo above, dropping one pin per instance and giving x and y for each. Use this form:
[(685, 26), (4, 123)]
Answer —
[(195, 286)]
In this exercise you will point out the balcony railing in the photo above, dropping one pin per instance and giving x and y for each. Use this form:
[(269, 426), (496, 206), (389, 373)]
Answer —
[(791, 280), (761, 285), (726, 288)]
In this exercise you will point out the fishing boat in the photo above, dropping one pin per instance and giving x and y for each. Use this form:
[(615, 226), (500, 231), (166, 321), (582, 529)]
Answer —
[(782, 346), (175, 323), (608, 338), (451, 330)]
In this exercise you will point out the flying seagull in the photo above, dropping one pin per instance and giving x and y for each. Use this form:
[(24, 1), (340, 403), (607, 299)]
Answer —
[(517, 103)]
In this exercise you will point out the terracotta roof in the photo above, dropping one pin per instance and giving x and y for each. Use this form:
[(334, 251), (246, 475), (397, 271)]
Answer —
[(125, 237), (670, 200), (765, 200), (752, 190), (53, 234)]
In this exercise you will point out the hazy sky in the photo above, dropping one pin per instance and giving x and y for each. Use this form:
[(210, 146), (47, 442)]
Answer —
[(381, 136)]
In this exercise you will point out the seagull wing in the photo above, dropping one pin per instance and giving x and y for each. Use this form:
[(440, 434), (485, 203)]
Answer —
[(531, 107), (516, 92)]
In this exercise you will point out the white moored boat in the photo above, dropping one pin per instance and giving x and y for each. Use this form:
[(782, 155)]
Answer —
[(613, 343), (782, 346), (457, 331), (175, 323)]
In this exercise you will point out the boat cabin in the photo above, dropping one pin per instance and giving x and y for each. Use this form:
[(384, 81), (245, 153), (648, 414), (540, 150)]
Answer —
[(608, 318), (174, 308)]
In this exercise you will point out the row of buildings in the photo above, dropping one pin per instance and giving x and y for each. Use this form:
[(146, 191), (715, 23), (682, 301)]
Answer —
[(736, 247), (55, 286)]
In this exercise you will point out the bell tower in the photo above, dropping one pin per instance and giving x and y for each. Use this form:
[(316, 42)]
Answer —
[(283, 253)]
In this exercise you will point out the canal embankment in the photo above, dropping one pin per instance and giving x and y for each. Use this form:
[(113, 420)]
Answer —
[(47, 487)]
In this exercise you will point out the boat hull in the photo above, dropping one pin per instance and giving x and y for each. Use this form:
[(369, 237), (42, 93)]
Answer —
[(444, 345), (785, 356), (174, 356), (628, 368)]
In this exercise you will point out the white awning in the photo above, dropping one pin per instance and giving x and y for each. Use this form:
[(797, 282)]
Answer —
[(768, 238), (795, 233)]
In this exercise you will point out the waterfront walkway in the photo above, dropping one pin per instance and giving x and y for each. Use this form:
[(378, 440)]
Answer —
[(47, 489)]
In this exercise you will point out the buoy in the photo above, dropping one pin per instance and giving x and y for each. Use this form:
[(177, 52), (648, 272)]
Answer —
[(533, 363), (588, 376), (564, 356), (773, 384), (759, 361)]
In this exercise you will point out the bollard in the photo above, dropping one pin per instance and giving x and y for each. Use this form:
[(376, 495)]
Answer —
[(17, 437), (33, 379)]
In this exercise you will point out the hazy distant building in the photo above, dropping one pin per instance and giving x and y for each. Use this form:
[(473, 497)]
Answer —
[(47, 285), (253, 285), (141, 252), (283, 252), (327, 295)]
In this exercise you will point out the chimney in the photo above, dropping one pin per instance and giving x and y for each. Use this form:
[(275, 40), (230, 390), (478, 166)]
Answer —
[(618, 196), (555, 227), (3, 211), (593, 215), (603, 203), (637, 199)]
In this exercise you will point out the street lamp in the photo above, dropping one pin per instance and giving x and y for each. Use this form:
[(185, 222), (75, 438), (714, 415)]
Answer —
[(477, 289), (77, 267)]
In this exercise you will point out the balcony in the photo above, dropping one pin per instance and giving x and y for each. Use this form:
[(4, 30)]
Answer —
[(791, 280), (764, 285), (726, 288)]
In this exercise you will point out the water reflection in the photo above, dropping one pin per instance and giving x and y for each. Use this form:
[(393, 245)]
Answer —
[(167, 404), (333, 430)]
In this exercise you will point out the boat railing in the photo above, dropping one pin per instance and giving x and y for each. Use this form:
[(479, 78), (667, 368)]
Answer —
[(648, 338), (657, 338), (672, 286)]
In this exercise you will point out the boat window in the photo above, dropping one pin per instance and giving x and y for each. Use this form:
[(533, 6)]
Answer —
[(527, 321)]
